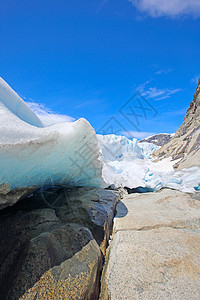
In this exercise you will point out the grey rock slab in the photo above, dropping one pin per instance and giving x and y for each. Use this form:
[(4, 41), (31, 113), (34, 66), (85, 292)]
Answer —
[(155, 249), (164, 208), (160, 263)]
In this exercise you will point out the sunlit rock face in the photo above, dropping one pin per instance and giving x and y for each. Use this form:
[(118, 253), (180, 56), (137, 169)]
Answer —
[(185, 144), (192, 118), (34, 155)]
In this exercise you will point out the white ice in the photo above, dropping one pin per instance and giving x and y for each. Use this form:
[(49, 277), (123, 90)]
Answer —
[(34, 155), (71, 153), (129, 163)]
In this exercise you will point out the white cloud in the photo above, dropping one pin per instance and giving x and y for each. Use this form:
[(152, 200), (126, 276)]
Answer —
[(156, 93), (169, 8), (163, 71), (47, 116), (138, 134)]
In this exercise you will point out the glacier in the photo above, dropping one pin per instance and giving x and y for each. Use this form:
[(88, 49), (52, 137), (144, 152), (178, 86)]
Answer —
[(130, 163), (16, 107), (36, 154)]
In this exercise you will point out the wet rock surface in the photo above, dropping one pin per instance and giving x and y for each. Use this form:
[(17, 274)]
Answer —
[(52, 243)]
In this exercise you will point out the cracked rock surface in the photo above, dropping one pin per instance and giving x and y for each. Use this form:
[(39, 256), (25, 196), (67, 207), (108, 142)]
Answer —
[(52, 243), (155, 250)]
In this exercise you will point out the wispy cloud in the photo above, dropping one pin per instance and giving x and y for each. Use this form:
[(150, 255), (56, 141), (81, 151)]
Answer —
[(156, 93), (137, 134), (169, 8), (163, 71), (195, 79), (47, 116)]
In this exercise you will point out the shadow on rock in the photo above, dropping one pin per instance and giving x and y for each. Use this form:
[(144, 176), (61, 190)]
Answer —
[(51, 242), (121, 210)]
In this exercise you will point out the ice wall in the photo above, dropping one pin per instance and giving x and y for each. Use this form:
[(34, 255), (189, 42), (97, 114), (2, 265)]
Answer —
[(34, 155), (71, 153)]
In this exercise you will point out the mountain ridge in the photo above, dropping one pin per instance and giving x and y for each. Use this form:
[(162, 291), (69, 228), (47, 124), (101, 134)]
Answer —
[(185, 144), (159, 139)]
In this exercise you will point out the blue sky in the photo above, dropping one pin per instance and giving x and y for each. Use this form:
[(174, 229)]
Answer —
[(88, 58)]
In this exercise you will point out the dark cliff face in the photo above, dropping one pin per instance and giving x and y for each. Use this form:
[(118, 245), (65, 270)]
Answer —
[(192, 118)]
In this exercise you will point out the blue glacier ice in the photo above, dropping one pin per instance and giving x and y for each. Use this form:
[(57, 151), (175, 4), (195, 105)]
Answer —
[(130, 163), (71, 153), (34, 155), (197, 188)]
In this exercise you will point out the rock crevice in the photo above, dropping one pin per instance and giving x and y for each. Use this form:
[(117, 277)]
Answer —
[(53, 243)]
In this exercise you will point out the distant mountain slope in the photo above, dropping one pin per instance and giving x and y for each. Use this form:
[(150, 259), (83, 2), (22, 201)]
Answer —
[(192, 118), (158, 139), (186, 142)]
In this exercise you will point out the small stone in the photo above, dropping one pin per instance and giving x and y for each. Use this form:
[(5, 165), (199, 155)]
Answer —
[(4, 188)]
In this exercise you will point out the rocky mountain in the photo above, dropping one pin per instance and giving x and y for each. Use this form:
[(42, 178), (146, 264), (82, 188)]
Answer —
[(185, 144), (158, 139)]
